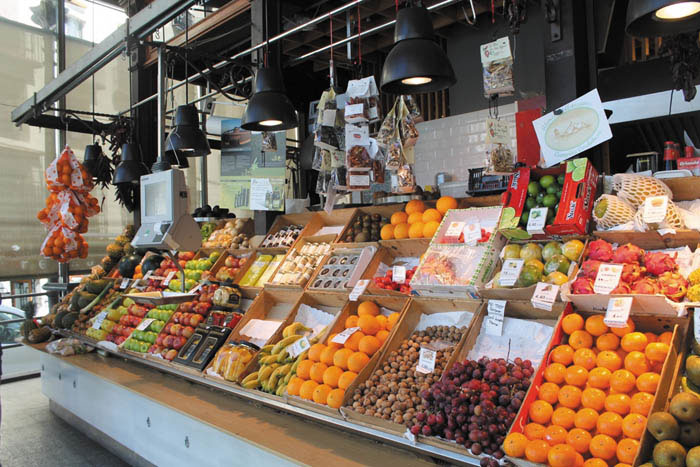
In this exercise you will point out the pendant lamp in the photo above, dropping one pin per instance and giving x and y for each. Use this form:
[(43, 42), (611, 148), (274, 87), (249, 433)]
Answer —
[(269, 108), (416, 64), (129, 169), (187, 139), (662, 17), (92, 154)]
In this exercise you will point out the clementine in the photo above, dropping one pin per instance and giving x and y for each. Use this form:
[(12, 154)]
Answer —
[(570, 396), (622, 381), (445, 203), (593, 398), (335, 398), (315, 352), (595, 325), (401, 230), (304, 369), (563, 354), (357, 361), (369, 345), (579, 439), (320, 394), (648, 382), (369, 325), (618, 403), (415, 217), (541, 412), (429, 229), (351, 321), (555, 373), (317, 370), (387, 232), (415, 205), (353, 341), (536, 451), (621, 332), (609, 359), (340, 358), (327, 355), (576, 376), (534, 431), (332, 375), (399, 217), (562, 455), (609, 423), (382, 335), (634, 341), (294, 386), (633, 425), (346, 379), (555, 434), (656, 351), (549, 392), (627, 450), (586, 419), (641, 403), (514, 445), (416, 230), (637, 362), (306, 391), (563, 417), (572, 322), (607, 341), (580, 339), (431, 215), (367, 308), (585, 358), (603, 447)]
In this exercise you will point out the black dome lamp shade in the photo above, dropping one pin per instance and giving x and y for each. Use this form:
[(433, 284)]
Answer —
[(416, 64), (269, 108), (92, 155), (186, 139), (662, 17), (129, 169)]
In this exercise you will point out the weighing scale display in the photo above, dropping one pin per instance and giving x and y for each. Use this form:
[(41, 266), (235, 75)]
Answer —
[(157, 198)]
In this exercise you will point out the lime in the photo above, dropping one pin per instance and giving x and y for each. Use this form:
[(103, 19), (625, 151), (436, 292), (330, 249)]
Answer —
[(530, 202), (550, 200), (578, 173), (546, 181), (559, 192), (508, 218), (533, 188), (560, 179), (552, 189), (540, 197), (524, 217)]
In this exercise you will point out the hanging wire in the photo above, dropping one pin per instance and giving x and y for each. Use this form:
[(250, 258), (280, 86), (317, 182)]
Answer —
[(359, 37), (330, 22), (187, 38), (93, 75)]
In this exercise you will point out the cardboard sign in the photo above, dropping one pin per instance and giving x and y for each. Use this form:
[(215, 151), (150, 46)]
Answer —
[(654, 210), (124, 284), (495, 51), (472, 233), (510, 272), (341, 337), (494, 319), (618, 312), (497, 131), (607, 279), (426, 360), (359, 289), (298, 347), (98, 320), (544, 296), (143, 325), (168, 278), (398, 274)]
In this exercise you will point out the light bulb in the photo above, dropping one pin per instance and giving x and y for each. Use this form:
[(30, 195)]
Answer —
[(271, 122), (416, 80), (678, 11)]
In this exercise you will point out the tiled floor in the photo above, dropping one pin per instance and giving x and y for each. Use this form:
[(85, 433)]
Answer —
[(31, 436)]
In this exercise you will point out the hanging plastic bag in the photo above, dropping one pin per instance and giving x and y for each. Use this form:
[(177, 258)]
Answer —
[(413, 108), (407, 127), (394, 155), (500, 159), (403, 181), (497, 63), (387, 130), (378, 163)]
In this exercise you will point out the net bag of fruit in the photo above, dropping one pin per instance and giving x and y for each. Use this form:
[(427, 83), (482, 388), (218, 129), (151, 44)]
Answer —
[(636, 188), (610, 211), (66, 172), (673, 219), (62, 244)]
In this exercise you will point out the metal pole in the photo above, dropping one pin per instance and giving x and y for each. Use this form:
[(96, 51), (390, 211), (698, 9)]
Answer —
[(63, 270), (203, 188), (161, 104)]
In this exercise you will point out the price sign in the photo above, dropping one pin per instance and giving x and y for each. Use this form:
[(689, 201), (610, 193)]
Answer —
[(454, 229), (537, 220), (410, 436), (359, 289), (618, 312), (168, 278), (510, 272), (494, 319), (98, 320), (328, 118), (148, 275), (696, 319), (654, 209), (341, 337), (426, 360), (124, 284), (398, 274), (472, 233), (545, 295), (196, 288), (297, 348), (607, 279), (143, 325)]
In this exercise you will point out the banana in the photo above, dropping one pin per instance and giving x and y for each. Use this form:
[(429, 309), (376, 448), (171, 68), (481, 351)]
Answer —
[(282, 356), (250, 377), (688, 386), (280, 389), (272, 382), (284, 369), (267, 359), (264, 373), (294, 328), (284, 343), (251, 384), (288, 377), (267, 349)]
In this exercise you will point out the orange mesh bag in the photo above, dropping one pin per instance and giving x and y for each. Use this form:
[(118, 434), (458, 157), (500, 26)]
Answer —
[(66, 172)]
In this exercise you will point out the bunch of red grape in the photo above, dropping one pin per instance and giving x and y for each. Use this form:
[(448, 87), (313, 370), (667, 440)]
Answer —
[(475, 403)]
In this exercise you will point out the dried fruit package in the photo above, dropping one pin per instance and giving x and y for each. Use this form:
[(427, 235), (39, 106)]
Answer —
[(610, 211), (636, 188), (403, 181), (497, 65), (66, 172), (407, 126)]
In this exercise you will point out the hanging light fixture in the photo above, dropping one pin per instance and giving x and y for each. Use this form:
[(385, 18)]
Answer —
[(662, 17), (416, 64), (92, 156), (129, 169)]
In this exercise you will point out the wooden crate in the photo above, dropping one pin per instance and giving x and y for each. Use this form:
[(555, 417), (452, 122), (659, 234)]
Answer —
[(283, 220), (297, 247), (385, 210), (386, 256), (652, 240), (248, 254), (340, 249)]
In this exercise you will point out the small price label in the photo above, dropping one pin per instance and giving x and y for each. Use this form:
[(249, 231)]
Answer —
[(328, 118), (124, 284), (654, 210), (497, 131), (359, 289), (148, 275), (143, 325), (196, 288), (493, 321), (409, 436), (472, 233), (341, 337), (98, 320), (398, 274), (510, 272), (607, 279), (618, 312), (696, 320), (298, 347), (426, 360), (381, 270), (168, 278), (545, 295), (455, 229), (537, 220)]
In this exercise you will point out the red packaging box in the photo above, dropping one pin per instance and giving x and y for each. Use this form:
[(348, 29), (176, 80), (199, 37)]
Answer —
[(577, 197), (689, 163)]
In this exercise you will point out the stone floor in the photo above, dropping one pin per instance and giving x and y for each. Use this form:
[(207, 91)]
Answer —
[(31, 436)]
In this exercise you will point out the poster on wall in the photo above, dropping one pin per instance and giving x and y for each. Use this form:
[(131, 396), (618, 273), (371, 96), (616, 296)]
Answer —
[(244, 159)]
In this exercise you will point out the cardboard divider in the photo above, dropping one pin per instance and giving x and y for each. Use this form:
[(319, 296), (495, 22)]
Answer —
[(297, 248), (385, 211), (402, 331), (387, 255), (417, 246)]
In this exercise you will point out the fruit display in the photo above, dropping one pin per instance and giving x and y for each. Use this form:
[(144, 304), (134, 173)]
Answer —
[(417, 220), (120, 321), (141, 341), (543, 193), (260, 272), (596, 390), (195, 270), (365, 228), (337, 271), (387, 281), (299, 265), (231, 235), (283, 238), (449, 266), (231, 267)]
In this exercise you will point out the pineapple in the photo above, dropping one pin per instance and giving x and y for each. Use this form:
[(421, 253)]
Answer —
[(694, 292), (121, 240), (694, 277)]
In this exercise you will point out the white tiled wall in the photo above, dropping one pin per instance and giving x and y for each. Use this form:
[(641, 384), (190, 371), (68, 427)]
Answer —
[(456, 144)]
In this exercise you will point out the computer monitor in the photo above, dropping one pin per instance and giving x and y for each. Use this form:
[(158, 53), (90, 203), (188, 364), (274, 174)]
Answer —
[(161, 199)]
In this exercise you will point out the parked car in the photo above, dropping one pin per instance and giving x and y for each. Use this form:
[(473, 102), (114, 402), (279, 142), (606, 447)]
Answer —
[(9, 332)]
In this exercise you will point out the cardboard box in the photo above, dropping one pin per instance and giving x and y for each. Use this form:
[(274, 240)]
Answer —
[(577, 197), (329, 239), (652, 239), (451, 230), (350, 272)]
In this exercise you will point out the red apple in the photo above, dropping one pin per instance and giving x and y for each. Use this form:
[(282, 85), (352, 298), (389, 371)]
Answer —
[(195, 320), (168, 340), (179, 342), (159, 339), (170, 354), (182, 263), (119, 340), (187, 331), (177, 316), (176, 329)]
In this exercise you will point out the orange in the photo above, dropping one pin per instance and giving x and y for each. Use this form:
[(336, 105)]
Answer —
[(401, 230), (633, 425), (294, 386), (607, 341), (445, 203), (317, 370), (541, 412), (357, 361), (576, 376), (549, 392), (304, 369), (634, 341), (399, 217), (555, 434), (609, 359), (315, 352), (369, 325), (563, 354), (382, 335), (622, 381), (595, 325), (609, 423), (414, 205), (579, 460), (340, 358), (431, 215), (603, 446), (586, 419), (621, 353), (332, 375), (327, 355), (627, 450), (369, 345), (593, 398), (536, 451), (651, 337), (648, 382), (618, 403), (320, 394), (332, 344), (570, 396), (351, 321), (623, 331), (429, 229), (415, 217), (346, 379), (656, 367), (595, 462), (580, 339), (656, 352), (641, 403), (637, 362), (416, 230), (534, 431), (555, 373), (514, 445), (353, 341), (367, 308), (392, 320), (562, 455), (335, 398), (564, 417), (665, 337), (585, 358), (382, 320), (387, 232), (579, 440), (306, 391), (572, 322)]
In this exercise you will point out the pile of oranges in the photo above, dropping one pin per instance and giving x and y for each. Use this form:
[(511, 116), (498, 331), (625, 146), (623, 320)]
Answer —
[(417, 221), (331, 367), (599, 387)]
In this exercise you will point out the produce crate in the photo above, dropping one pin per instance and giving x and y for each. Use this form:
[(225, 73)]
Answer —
[(297, 248), (415, 309), (643, 324), (337, 220), (385, 211), (239, 253), (457, 219), (284, 220), (363, 256), (247, 229), (386, 257), (652, 239)]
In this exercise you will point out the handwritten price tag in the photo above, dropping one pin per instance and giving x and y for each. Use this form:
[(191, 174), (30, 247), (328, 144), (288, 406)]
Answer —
[(426, 360), (398, 274), (124, 284), (98, 320), (341, 337), (618, 312), (544, 296), (654, 209), (359, 289), (607, 279), (510, 272), (493, 321)]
